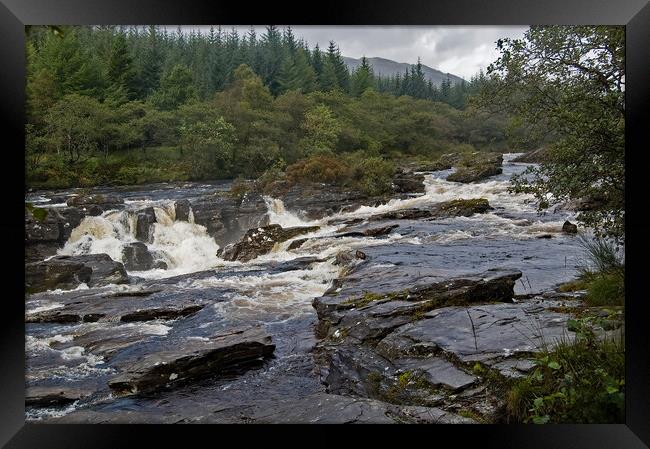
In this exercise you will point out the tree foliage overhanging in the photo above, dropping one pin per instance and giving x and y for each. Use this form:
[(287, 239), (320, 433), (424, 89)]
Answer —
[(566, 85)]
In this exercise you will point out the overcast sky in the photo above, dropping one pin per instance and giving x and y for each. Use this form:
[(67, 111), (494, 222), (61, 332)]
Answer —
[(460, 50)]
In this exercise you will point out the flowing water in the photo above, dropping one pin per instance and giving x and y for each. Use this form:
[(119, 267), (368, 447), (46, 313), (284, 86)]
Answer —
[(261, 291)]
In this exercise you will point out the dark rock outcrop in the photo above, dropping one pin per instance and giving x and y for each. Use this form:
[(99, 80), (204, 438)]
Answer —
[(296, 244), (226, 219), (137, 257), (54, 396), (47, 229), (194, 359), (59, 272), (67, 272), (259, 241)]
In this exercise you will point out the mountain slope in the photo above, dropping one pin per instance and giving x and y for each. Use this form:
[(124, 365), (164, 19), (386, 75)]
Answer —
[(386, 67)]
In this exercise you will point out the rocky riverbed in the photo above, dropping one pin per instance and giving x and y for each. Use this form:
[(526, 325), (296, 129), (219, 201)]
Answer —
[(184, 303)]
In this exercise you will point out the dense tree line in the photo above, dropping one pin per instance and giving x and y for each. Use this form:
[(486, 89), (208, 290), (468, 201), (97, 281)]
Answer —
[(130, 105)]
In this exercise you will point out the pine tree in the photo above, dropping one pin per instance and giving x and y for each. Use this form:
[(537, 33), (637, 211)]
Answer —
[(317, 64), (273, 58), (151, 64), (340, 69), (120, 68), (362, 78)]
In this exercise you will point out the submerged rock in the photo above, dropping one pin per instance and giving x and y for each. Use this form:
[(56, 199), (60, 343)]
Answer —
[(194, 359), (259, 241), (137, 257), (368, 232)]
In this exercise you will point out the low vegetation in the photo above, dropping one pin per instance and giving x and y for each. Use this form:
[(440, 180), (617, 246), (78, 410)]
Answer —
[(575, 382)]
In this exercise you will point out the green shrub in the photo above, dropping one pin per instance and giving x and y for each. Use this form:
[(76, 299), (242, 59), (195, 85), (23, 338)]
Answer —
[(606, 290), (576, 382), (323, 168), (371, 175)]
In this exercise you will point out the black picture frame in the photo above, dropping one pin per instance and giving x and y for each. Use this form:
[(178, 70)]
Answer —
[(635, 14)]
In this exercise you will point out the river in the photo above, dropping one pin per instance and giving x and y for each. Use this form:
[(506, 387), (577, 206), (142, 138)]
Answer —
[(268, 290)]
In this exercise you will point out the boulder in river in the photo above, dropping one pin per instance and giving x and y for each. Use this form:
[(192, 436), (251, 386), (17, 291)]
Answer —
[(477, 166), (259, 241), (137, 257), (182, 210), (408, 182), (144, 221), (104, 269), (58, 272), (569, 228), (194, 359)]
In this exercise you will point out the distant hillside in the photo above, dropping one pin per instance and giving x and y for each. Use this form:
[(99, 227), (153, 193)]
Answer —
[(386, 67)]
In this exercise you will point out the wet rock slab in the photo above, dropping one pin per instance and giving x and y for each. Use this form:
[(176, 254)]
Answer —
[(54, 396), (318, 408), (483, 333), (417, 346), (195, 359)]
